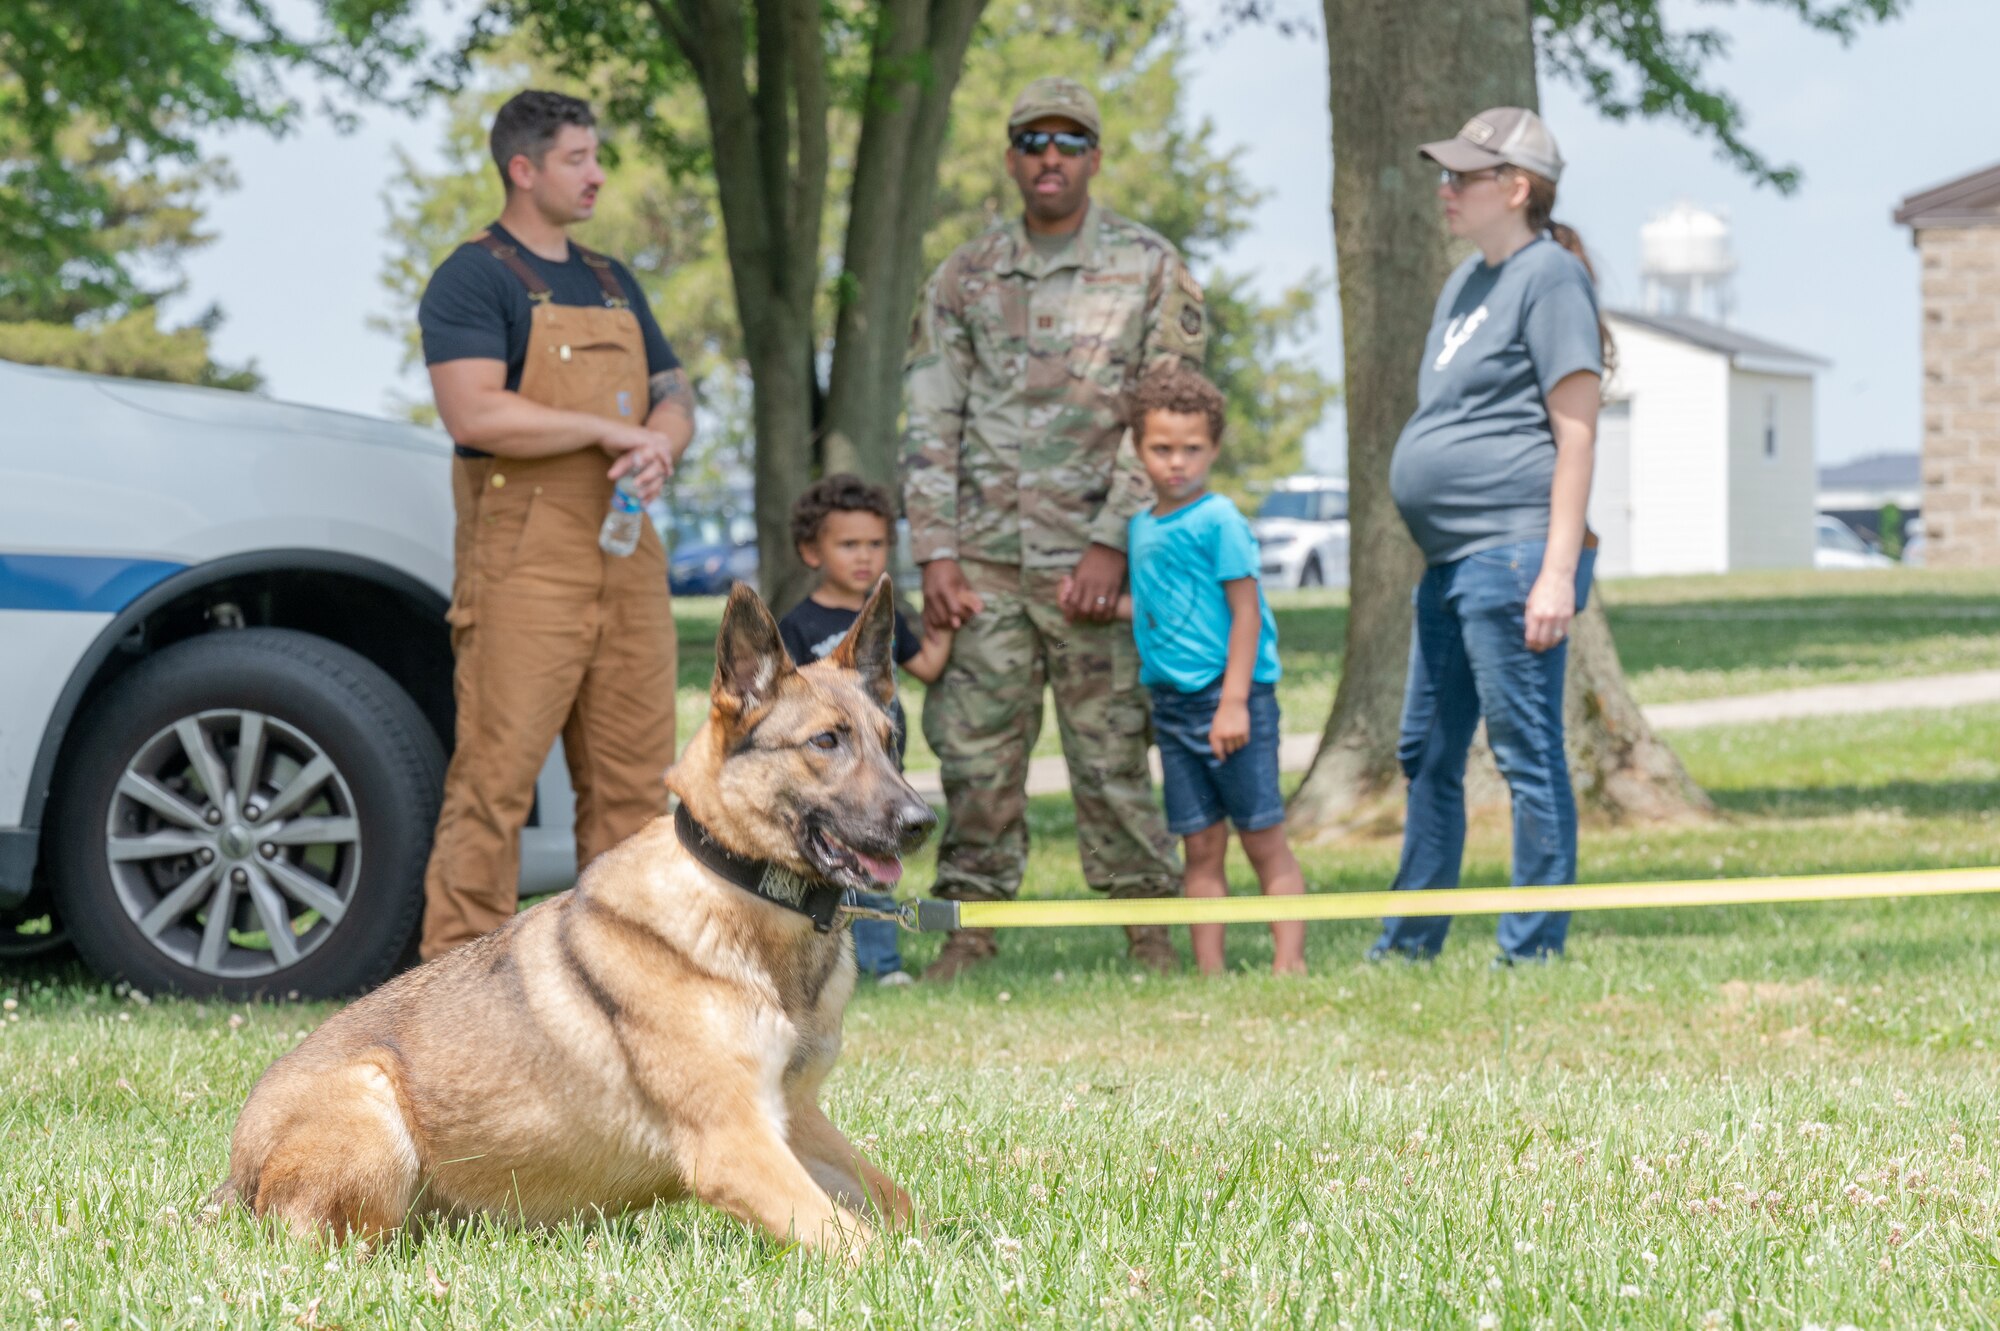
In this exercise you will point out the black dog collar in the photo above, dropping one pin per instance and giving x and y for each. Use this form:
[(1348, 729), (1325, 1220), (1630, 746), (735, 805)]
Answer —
[(815, 899)]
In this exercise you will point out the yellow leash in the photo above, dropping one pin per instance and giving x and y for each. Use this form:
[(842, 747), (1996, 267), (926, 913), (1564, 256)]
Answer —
[(942, 916)]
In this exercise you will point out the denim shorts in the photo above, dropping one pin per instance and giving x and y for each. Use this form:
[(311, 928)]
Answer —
[(1201, 790)]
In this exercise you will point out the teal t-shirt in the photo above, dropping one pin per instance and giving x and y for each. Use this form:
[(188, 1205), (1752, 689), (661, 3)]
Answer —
[(1180, 615)]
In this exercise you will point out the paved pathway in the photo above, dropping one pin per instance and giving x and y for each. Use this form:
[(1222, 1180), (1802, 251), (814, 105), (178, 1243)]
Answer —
[(1925, 692), (1049, 776)]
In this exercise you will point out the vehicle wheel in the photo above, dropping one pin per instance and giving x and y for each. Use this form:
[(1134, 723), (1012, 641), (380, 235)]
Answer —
[(247, 814), (1311, 575)]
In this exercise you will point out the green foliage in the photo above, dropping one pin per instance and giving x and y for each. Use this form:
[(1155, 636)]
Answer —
[(141, 78), (149, 219), (1275, 397), (149, 216), (134, 346), (100, 179), (1889, 527), (1629, 61)]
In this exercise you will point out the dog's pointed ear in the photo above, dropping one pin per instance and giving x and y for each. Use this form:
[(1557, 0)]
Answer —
[(869, 649), (750, 656)]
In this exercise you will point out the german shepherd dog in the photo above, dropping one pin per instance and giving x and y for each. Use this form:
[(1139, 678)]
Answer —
[(660, 1031)]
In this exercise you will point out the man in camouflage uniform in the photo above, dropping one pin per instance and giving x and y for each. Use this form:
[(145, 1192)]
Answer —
[(1018, 473)]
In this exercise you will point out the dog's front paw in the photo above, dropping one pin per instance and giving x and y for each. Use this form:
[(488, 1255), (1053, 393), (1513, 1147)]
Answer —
[(846, 1237)]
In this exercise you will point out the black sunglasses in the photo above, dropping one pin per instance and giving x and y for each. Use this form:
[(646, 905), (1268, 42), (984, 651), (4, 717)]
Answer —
[(1068, 142)]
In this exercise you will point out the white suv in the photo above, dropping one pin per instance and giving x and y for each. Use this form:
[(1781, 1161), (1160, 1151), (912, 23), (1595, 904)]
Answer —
[(1301, 529), (225, 686)]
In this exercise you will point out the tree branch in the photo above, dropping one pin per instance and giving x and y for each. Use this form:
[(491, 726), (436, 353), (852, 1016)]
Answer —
[(807, 58), (674, 21), (1628, 62), (715, 28), (774, 135)]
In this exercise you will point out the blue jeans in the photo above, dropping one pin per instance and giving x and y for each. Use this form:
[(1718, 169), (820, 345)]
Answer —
[(875, 951), (1469, 658)]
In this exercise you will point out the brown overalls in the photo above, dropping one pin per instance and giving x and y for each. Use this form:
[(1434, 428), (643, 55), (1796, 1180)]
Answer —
[(550, 633)]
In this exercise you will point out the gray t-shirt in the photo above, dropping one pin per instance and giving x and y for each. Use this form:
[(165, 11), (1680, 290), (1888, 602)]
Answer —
[(1475, 465)]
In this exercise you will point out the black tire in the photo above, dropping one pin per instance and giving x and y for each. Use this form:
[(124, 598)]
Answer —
[(1312, 575), (311, 697)]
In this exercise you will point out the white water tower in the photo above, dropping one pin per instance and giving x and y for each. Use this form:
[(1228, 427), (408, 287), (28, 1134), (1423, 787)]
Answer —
[(1687, 265)]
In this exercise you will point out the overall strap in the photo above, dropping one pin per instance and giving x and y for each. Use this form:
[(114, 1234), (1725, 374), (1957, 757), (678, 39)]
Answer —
[(614, 291), (538, 290)]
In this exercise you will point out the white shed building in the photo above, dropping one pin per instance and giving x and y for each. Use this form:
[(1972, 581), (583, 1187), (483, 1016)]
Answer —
[(1704, 451)]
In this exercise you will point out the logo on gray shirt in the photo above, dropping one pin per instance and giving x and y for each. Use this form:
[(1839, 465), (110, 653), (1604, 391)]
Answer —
[(1457, 333)]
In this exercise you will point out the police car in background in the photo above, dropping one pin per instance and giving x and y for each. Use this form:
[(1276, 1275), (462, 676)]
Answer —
[(225, 686), (1301, 530)]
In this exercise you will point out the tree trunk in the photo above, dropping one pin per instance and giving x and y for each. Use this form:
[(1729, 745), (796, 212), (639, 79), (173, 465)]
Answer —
[(1622, 770), (770, 149), (918, 54), (771, 156), (1403, 72)]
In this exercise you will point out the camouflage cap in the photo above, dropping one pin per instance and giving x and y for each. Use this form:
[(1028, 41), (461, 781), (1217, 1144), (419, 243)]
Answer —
[(1056, 97)]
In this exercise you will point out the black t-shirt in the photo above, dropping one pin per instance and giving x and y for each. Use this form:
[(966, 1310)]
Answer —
[(475, 309), (811, 631)]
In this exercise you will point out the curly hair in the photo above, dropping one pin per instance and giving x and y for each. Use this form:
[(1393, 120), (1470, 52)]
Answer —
[(1180, 389), (841, 492)]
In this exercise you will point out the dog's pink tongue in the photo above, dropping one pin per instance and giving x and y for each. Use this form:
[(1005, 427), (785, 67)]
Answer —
[(882, 871)]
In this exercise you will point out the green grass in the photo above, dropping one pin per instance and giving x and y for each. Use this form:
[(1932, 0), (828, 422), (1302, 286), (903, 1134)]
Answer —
[(1684, 638), (1759, 1117), (1679, 638)]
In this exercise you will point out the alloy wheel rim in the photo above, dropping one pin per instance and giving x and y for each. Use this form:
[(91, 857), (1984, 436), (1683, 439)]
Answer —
[(233, 843)]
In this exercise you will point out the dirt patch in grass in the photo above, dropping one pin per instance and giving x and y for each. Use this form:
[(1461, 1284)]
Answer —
[(1739, 996)]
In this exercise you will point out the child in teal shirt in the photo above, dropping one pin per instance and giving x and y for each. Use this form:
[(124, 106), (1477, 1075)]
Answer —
[(1208, 650)]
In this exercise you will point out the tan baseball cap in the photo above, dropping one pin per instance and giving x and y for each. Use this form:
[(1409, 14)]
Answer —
[(1502, 136), (1056, 97)]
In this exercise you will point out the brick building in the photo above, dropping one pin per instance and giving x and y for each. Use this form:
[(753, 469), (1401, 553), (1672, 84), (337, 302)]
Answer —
[(1956, 228)]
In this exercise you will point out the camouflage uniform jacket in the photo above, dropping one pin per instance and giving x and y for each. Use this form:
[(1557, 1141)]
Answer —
[(1016, 450)]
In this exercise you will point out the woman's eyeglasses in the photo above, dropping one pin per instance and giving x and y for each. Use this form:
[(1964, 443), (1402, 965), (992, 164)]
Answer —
[(1035, 142), (1456, 181)]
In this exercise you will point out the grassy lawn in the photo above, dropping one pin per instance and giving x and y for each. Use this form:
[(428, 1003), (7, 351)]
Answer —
[(1680, 638), (1749, 633), (1761, 1117)]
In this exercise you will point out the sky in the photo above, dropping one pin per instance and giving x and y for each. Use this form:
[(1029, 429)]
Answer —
[(300, 244)]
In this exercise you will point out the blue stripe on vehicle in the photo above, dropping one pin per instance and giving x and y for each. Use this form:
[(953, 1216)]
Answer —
[(98, 584)]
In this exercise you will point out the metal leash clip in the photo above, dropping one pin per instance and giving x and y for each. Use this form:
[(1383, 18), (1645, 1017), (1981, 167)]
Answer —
[(902, 914), (917, 917)]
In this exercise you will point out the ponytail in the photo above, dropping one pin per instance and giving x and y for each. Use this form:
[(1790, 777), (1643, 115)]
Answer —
[(1541, 203)]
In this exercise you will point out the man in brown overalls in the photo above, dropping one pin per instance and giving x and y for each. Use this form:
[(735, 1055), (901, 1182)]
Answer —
[(554, 381)]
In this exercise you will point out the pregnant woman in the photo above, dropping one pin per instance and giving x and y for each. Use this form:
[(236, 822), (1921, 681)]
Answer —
[(1492, 476)]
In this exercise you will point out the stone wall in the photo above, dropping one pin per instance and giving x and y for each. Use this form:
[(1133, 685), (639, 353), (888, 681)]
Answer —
[(1961, 344)]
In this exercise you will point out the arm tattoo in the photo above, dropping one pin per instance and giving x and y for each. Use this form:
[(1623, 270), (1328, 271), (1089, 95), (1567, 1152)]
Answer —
[(671, 386)]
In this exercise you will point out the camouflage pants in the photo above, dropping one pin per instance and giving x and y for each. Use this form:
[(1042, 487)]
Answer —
[(982, 719)]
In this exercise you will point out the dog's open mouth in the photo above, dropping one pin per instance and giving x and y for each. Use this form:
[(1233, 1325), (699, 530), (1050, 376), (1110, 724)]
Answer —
[(849, 865)]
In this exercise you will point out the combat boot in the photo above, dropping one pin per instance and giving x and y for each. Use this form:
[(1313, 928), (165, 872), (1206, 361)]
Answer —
[(1152, 947), (965, 949)]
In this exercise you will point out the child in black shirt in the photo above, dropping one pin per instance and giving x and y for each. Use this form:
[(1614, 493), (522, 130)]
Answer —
[(841, 527)]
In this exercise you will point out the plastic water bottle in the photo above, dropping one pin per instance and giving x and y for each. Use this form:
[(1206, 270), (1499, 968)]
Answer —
[(619, 536)]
